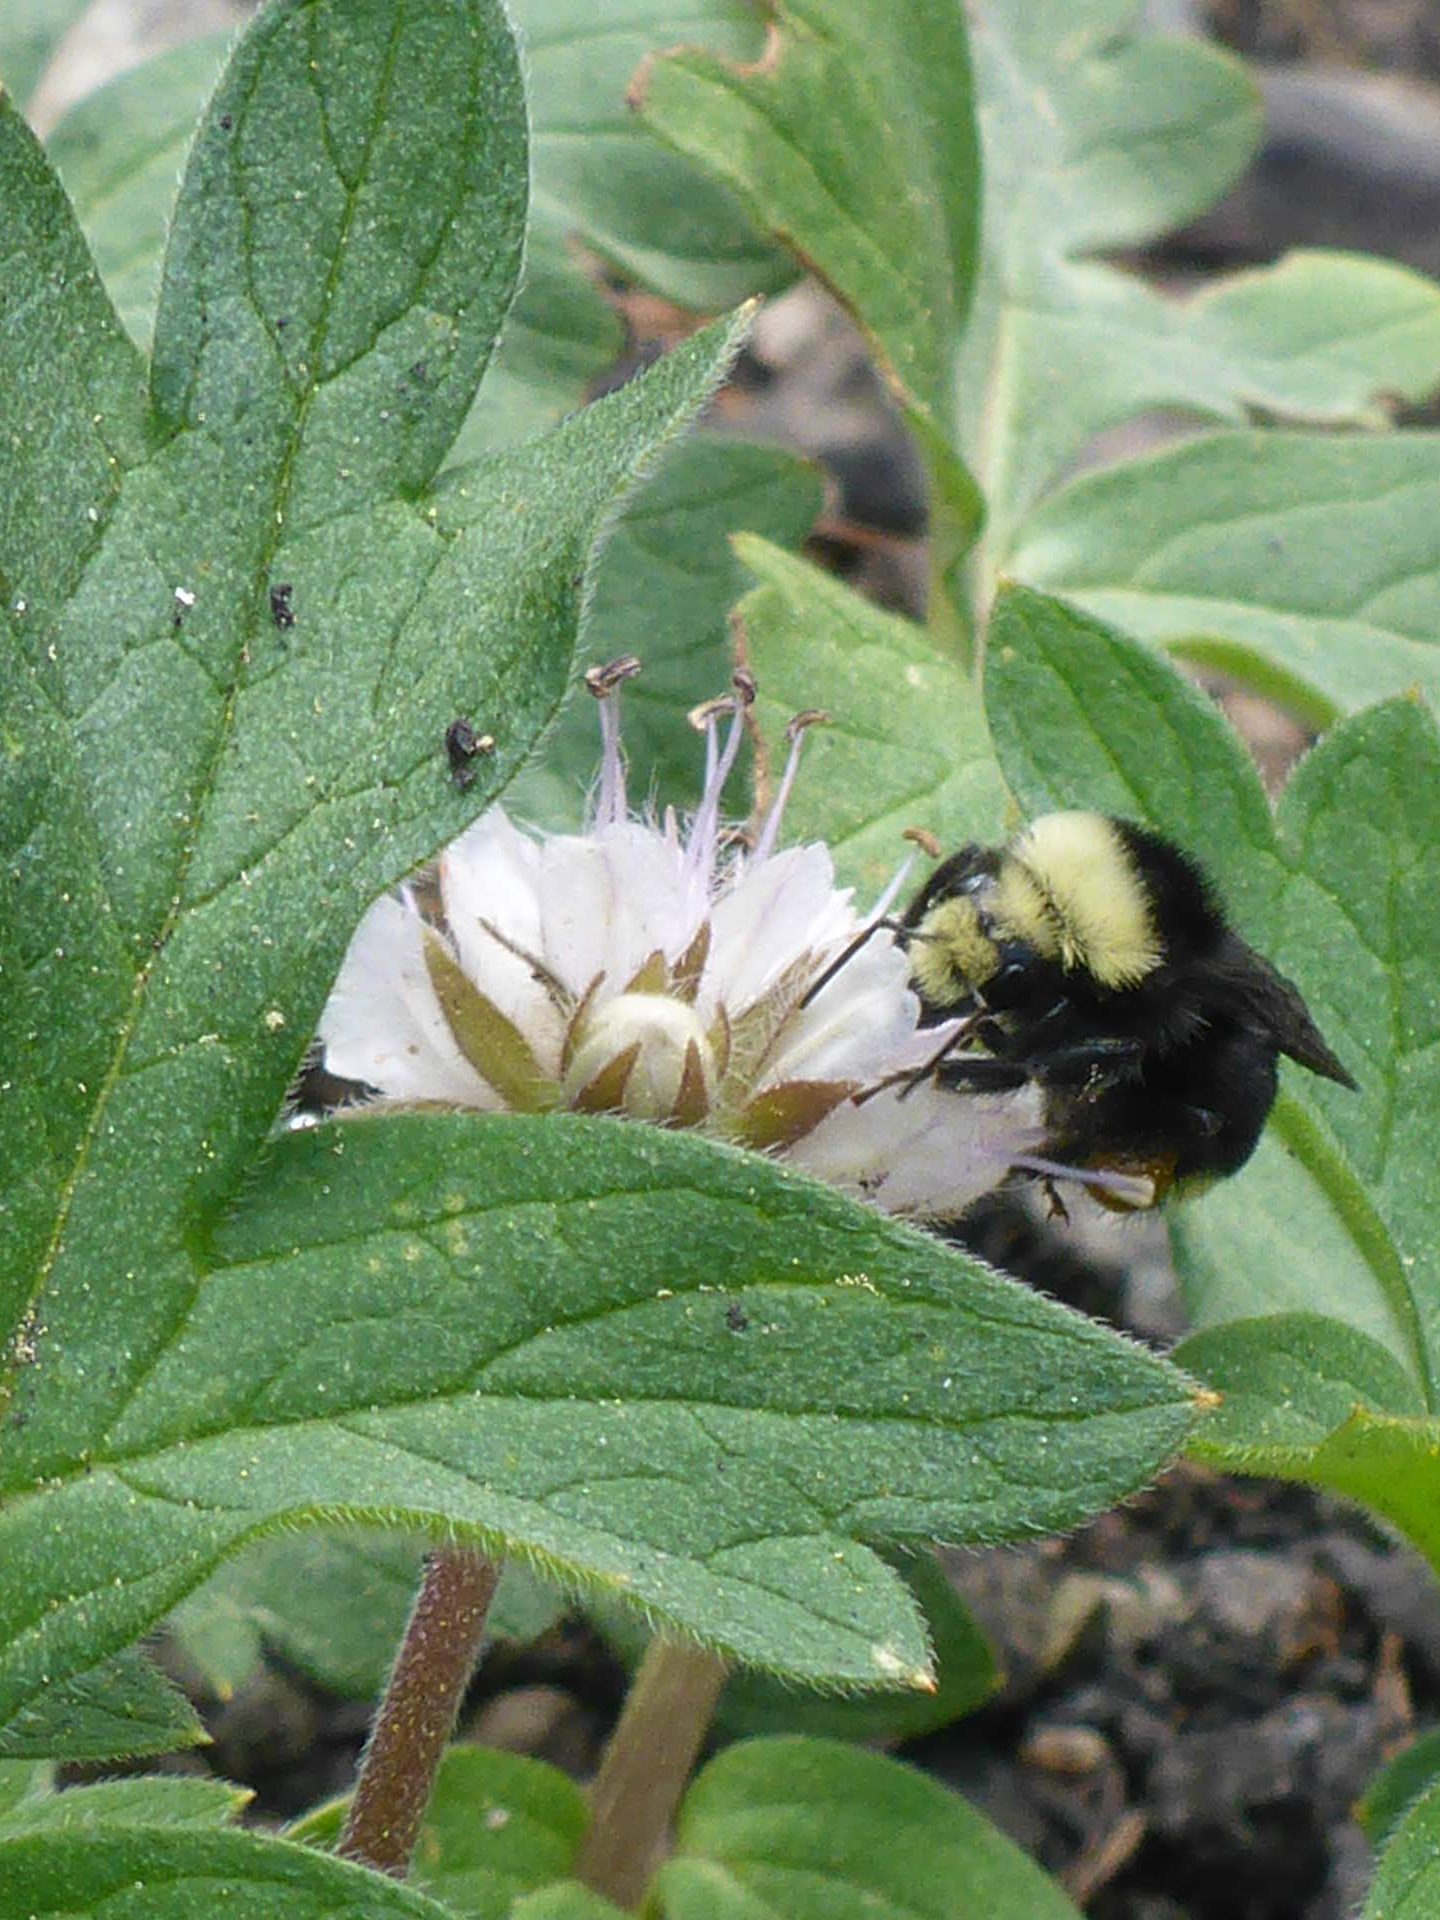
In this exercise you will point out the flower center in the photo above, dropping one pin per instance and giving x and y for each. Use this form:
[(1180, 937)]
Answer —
[(645, 1055)]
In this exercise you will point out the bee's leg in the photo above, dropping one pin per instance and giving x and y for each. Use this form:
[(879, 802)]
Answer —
[(1126, 1186), (982, 1073), (1107, 1060), (1055, 1207)]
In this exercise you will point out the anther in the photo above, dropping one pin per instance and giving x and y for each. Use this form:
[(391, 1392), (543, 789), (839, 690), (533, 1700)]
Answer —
[(925, 840), (604, 679)]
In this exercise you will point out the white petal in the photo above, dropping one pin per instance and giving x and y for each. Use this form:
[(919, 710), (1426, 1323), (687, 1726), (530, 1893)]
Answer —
[(928, 1154), (858, 1027), (383, 1024), (609, 900), (777, 911), (492, 874)]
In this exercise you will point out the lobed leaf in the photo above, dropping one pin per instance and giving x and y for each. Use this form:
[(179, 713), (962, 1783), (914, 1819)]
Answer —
[(517, 1331), (1098, 136), (1094, 138), (820, 1831), (238, 632), (852, 139), (1360, 827), (1312, 1276), (600, 188), (1304, 564)]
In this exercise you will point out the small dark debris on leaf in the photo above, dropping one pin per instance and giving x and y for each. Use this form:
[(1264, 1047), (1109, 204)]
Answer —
[(281, 611), (463, 747), (736, 1318), (227, 121)]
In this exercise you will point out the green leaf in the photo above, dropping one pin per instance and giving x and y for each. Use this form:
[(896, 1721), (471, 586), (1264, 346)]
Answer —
[(819, 1831), (30, 31), (1334, 1217), (1305, 564), (1290, 1379), (907, 743), (498, 1826), (597, 173), (24, 1785), (1407, 1884), (119, 152), (758, 1703), (517, 1331), (162, 1874), (1360, 828), (1397, 1786), (965, 1674), (598, 179), (602, 182), (1311, 1399), (121, 1706), (147, 1801), (363, 800), (1097, 138), (236, 639), (1093, 139), (566, 1900), (333, 1604), (665, 585), (344, 249), (852, 139), (1082, 716), (1360, 823)]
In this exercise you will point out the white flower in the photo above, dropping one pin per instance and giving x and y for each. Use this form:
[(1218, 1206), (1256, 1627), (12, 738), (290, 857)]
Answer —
[(670, 976)]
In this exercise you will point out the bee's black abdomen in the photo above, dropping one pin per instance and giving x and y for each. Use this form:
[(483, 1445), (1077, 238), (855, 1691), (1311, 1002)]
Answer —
[(1204, 1103)]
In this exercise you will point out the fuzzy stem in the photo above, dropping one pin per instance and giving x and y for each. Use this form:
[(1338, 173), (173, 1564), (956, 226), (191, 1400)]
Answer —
[(646, 1766), (422, 1696)]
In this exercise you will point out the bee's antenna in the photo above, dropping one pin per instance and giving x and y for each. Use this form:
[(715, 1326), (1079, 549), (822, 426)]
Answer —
[(848, 953)]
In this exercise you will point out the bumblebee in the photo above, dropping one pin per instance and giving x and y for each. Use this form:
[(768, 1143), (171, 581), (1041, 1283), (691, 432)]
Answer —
[(1092, 958)]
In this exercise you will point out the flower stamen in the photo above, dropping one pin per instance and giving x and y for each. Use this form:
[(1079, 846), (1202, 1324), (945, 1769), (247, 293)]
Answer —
[(605, 682), (795, 734)]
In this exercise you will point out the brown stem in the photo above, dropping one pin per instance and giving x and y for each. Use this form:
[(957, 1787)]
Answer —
[(422, 1697), (646, 1766)]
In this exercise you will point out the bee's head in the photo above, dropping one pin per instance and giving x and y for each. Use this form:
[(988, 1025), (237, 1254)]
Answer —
[(1072, 893)]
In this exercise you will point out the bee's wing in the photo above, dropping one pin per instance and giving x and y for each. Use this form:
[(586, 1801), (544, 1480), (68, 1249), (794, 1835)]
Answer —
[(1261, 994)]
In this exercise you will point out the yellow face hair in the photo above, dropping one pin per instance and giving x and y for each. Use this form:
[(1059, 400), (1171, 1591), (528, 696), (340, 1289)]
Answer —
[(1069, 887), (950, 953)]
